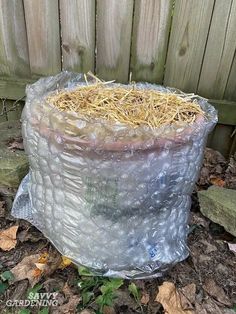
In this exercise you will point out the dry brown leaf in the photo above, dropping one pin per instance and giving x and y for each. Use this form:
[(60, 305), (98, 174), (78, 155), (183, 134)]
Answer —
[(209, 307), (209, 247), (34, 266), (124, 298), (216, 292), (187, 296), (199, 309), (217, 181), (69, 307), (26, 269), (108, 310), (145, 298), (169, 297), (8, 238), (29, 234), (67, 290)]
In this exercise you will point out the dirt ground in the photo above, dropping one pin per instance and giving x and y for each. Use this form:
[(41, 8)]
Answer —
[(204, 283)]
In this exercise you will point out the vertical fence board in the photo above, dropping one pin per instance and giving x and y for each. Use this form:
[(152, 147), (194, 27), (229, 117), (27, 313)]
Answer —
[(42, 22), (78, 34), (230, 91), (114, 24), (220, 50), (149, 39), (14, 60), (188, 38)]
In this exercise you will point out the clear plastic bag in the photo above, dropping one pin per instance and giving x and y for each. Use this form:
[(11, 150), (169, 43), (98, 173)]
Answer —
[(110, 197)]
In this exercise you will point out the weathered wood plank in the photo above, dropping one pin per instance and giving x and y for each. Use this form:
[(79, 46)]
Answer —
[(78, 34), (188, 38), (226, 111), (230, 91), (220, 50), (42, 22), (114, 23), (13, 88), (149, 39), (14, 58)]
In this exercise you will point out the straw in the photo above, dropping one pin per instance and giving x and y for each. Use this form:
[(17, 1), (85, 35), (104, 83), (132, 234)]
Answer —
[(130, 106)]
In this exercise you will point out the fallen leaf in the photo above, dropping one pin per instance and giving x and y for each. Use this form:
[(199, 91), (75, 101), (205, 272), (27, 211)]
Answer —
[(124, 298), (48, 262), (185, 303), (41, 266), (199, 309), (232, 247), (37, 273), (52, 284), (8, 238), (217, 181), (53, 260), (213, 157), (30, 235), (34, 266), (27, 269), (108, 310), (43, 258), (145, 298), (67, 290), (209, 247), (65, 262), (216, 292), (213, 167), (204, 258), (188, 295), (20, 290), (69, 307), (169, 297), (209, 307)]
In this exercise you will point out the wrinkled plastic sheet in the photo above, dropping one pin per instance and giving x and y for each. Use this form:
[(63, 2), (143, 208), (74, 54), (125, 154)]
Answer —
[(110, 197)]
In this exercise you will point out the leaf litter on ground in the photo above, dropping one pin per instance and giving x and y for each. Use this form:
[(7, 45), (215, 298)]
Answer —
[(8, 238)]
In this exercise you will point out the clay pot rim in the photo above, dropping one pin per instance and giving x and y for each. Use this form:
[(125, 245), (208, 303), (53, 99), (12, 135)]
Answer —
[(179, 139), (119, 146)]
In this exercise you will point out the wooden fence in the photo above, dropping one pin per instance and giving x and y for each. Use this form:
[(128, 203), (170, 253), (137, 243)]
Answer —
[(188, 44)]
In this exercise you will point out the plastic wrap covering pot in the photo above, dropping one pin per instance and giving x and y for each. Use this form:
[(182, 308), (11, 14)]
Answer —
[(110, 197)]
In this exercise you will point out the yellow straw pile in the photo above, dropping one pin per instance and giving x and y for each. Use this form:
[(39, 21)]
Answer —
[(132, 106)]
